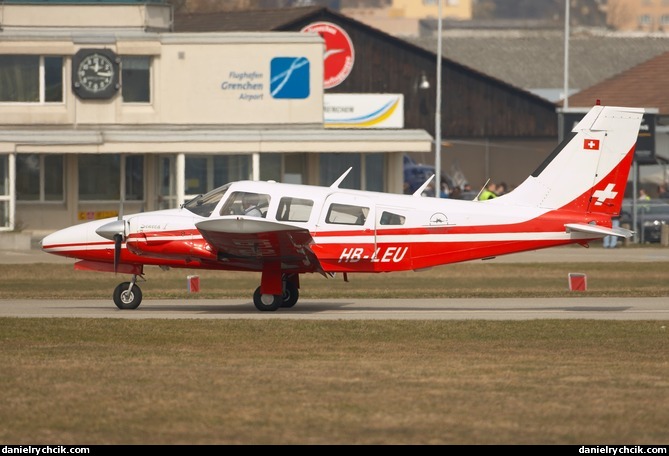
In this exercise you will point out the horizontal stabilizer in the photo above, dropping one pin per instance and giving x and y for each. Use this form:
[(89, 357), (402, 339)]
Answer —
[(600, 230)]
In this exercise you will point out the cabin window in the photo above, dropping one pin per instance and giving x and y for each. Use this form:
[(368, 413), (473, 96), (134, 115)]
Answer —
[(388, 218), (246, 203), (294, 209), (345, 214)]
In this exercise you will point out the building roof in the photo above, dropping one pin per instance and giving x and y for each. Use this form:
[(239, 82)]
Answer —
[(243, 20), (534, 60), (644, 85)]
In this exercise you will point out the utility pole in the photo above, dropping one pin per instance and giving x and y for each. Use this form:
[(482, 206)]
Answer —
[(437, 115)]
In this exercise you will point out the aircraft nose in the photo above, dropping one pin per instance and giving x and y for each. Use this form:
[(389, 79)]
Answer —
[(49, 240), (111, 229)]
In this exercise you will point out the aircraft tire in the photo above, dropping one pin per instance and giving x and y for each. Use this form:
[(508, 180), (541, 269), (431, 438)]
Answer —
[(125, 300), (260, 305), (290, 295)]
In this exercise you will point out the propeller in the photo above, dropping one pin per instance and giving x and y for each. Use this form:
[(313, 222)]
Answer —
[(114, 231), (118, 240)]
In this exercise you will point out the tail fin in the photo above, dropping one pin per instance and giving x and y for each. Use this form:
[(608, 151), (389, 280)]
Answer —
[(588, 171)]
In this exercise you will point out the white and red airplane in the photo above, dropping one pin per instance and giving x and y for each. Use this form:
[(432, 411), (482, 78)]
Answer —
[(298, 229)]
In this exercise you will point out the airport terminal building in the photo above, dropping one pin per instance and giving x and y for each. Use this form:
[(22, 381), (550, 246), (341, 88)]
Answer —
[(103, 103)]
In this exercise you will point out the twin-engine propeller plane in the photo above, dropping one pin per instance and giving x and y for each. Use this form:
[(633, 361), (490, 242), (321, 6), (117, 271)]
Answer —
[(284, 230)]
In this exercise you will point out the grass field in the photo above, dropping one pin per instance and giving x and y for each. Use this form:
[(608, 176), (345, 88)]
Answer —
[(452, 281), (112, 381)]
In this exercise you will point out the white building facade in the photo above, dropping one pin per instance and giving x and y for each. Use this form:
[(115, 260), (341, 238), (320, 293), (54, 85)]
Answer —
[(103, 108)]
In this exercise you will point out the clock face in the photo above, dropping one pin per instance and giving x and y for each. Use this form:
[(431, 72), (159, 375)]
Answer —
[(95, 73)]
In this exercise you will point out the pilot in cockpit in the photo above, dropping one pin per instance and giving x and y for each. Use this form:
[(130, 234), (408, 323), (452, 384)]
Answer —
[(250, 205)]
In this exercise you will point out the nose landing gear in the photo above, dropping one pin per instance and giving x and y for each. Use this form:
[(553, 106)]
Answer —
[(128, 295)]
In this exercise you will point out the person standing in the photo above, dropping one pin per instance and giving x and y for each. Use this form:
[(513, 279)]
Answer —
[(662, 191), (445, 191), (489, 192), (610, 242)]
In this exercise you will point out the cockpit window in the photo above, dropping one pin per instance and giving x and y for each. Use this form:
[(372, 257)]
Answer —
[(246, 203), (204, 205)]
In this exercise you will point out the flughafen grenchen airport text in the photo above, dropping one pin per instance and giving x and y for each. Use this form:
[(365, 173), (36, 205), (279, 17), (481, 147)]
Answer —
[(245, 82), (615, 450), (44, 449)]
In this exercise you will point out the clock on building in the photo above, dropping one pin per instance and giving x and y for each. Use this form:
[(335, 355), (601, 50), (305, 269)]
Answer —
[(95, 73)]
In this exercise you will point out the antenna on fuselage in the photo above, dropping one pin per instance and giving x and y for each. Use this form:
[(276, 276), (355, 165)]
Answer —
[(341, 178), (419, 192), (481, 191)]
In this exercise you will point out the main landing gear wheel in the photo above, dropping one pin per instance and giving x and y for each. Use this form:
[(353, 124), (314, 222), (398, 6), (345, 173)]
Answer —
[(127, 296), (266, 302), (290, 294)]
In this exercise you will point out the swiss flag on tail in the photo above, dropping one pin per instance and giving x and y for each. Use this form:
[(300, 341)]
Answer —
[(591, 144)]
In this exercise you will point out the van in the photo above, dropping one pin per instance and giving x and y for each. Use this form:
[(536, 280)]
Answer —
[(415, 175)]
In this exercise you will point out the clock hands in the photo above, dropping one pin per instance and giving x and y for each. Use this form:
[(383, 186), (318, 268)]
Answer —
[(96, 76)]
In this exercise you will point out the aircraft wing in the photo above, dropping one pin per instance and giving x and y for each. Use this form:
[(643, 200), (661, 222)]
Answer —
[(599, 230), (252, 243)]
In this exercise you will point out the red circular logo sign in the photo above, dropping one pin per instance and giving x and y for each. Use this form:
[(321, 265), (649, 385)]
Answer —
[(339, 55)]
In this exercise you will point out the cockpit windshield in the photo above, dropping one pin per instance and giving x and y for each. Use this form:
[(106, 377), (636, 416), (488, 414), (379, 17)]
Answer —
[(203, 205)]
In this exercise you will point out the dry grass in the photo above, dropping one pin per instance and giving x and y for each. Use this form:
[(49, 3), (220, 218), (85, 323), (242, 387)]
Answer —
[(74, 381), (89, 381)]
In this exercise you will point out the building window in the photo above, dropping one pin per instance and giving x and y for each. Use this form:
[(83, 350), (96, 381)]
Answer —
[(664, 20), (288, 168), (100, 178), (31, 79), (136, 79), (5, 197), (375, 165), (134, 177), (333, 165), (205, 173), (39, 177), (644, 19), (270, 167)]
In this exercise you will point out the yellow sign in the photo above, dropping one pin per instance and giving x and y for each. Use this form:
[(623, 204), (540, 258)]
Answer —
[(96, 215)]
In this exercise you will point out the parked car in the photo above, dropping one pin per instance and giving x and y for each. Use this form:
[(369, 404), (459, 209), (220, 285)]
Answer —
[(651, 216), (415, 175)]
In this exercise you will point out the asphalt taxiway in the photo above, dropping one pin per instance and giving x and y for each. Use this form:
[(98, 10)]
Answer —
[(354, 309)]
